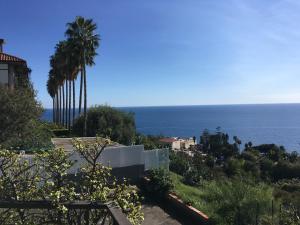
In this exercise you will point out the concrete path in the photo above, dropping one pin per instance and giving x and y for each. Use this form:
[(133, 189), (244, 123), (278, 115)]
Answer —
[(154, 215), (158, 213)]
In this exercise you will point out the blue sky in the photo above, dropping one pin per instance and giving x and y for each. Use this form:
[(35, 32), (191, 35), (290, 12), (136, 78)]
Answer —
[(168, 52)]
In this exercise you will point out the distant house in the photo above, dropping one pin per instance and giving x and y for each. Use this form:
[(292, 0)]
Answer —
[(13, 70), (178, 143)]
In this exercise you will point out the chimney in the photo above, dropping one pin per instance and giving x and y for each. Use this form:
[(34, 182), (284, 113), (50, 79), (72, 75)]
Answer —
[(1, 45)]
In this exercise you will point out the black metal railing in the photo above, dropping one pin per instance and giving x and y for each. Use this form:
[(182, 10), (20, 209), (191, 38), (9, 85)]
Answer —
[(70, 213)]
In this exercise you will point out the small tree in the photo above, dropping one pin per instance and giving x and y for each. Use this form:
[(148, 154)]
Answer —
[(109, 122), (46, 177), (20, 125)]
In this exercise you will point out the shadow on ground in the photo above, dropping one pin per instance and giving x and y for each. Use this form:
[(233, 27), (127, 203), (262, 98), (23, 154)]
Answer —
[(159, 213)]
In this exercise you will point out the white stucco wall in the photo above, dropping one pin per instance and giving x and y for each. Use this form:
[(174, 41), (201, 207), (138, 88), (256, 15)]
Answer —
[(156, 158), (123, 156)]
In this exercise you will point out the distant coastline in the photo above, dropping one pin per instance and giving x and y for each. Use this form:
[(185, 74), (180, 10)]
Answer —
[(259, 123)]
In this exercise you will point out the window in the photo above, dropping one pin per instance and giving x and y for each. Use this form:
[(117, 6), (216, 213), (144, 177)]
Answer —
[(3, 73)]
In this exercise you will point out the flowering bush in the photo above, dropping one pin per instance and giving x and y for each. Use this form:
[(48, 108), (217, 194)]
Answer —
[(45, 177)]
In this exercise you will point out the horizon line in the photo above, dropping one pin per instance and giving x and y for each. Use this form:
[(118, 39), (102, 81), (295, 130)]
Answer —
[(234, 104)]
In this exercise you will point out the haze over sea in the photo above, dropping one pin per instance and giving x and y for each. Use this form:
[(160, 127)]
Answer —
[(260, 124)]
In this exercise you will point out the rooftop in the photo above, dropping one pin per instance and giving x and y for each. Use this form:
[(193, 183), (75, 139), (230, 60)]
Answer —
[(10, 59), (168, 140)]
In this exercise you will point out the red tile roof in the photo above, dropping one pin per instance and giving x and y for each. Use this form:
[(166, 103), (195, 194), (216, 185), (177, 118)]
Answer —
[(9, 58), (167, 140)]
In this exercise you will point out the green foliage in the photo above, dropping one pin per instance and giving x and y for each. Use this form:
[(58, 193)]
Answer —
[(290, 215), (288, 191), (109, 122), (46, 177), (286, 170), (218, 145), (20, 127), (61, 132), (192, 177), (272, 151), (179, 162), (189, 194), (160, 182), (226, 183), (237, 202), (150, 141), (233, 167)]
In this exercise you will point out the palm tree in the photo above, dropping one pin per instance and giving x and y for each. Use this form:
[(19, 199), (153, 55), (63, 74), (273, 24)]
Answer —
[(72, 67), (81, 33), (63, 66), (51, 88)]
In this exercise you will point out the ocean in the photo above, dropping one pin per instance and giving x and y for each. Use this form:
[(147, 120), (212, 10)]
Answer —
[(260, 124)]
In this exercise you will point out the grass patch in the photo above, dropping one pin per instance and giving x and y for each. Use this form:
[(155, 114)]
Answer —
[(189, 194)]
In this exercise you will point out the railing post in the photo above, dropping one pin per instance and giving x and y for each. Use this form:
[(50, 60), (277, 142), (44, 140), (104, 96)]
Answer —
[(257, 212), (87, 217), (272, 212)]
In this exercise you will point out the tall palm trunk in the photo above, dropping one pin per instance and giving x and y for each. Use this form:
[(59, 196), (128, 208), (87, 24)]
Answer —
[(53, 110), (63, 104), (57, 107), (60, 116), (85, 104), (70, 90), (80, 94), (67, 94), (74, 105), (55, 103)]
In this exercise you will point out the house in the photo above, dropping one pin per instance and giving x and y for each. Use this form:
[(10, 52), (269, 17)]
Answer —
[(13, 70), (178, 143)]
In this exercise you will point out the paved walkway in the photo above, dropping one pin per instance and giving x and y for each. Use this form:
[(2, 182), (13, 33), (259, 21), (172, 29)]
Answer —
[(154, 215), (159, 214)]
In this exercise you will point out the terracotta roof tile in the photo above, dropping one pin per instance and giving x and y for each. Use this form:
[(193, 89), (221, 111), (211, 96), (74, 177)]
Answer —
[(9, 58), (167, 140)]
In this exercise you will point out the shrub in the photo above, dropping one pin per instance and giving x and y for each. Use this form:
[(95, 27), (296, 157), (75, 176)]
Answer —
[(179, 163), (286, 170), (192, 177), (150, 141), (233, 167), (46, 177), (290, 215), (109, 122), (236, 202), (63, 132), (20, 125), (160, 182)]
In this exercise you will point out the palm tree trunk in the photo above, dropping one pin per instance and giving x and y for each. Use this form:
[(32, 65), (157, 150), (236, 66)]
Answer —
[(70, 90), (85, 104), (60, 116), (81, 84), (63, 104), (67, 94), (74, 105), (53, 109), (57, 108)]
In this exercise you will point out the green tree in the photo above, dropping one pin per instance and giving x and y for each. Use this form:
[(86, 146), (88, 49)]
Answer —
[(20, 125), (106, 121)]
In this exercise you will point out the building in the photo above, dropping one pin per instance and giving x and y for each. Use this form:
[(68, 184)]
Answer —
[(13, 70), (178, 143)]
